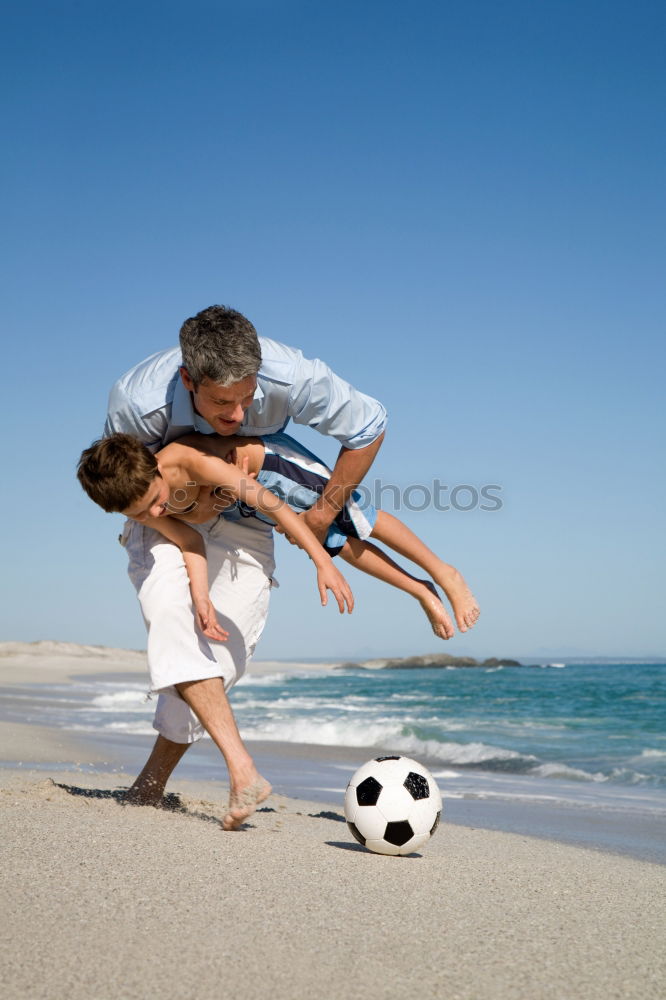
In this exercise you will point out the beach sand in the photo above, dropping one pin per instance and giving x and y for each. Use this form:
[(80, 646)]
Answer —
[(103, 900)]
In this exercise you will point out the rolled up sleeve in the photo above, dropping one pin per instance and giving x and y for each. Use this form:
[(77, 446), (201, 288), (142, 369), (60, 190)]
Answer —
[(322, 400), (122, 417)]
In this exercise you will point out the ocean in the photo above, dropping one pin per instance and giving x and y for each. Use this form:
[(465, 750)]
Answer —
[(586, 740)]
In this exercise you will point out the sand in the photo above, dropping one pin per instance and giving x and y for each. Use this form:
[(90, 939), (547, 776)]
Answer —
[(108, 901), (48, 662)]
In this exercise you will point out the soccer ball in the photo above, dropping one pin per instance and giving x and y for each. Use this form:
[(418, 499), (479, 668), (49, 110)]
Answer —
[(392, 805)]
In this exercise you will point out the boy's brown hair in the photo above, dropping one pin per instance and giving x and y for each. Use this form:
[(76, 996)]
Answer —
[(116, 471)]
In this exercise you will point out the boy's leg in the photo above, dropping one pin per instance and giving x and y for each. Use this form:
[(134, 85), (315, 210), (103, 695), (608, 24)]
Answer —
[(368, 558), (392, 532)]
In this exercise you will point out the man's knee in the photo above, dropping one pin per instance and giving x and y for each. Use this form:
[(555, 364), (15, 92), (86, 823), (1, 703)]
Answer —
[(174, 719)]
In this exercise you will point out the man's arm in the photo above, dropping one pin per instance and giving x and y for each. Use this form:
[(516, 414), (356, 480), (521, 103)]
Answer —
[(324, 401), (141, 401), (349, 470), (122, 417)]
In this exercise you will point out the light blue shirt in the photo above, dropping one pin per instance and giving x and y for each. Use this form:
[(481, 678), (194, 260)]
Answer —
[(151, 402)]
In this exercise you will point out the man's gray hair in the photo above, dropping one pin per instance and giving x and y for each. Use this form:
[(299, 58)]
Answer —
[(219, 344)]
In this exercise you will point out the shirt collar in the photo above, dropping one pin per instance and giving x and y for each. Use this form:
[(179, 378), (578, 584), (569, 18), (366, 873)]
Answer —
[(182, 411)]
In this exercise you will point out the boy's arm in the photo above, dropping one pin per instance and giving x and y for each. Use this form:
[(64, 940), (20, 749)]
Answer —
[(180, 452), (207, 469), (207, 444), (192, 546)]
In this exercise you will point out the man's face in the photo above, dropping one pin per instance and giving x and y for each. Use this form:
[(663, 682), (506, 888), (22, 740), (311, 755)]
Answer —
[(153, 503), (222, 406)]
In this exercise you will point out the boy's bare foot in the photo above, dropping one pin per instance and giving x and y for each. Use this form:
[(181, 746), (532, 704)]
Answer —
[(243, 802), (442, 625), (462, 600)]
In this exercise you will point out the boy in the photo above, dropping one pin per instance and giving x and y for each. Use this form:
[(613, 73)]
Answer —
[(196, 466), (294, 474), (121, 475)]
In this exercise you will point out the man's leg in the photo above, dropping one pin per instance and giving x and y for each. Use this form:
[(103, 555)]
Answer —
[(209, 702), (240, 558), (149, 786)]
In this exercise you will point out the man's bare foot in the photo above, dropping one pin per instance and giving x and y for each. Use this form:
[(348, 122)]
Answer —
[(148, 787), (244, 801), (145, 793), (462, 600), (442, 625)]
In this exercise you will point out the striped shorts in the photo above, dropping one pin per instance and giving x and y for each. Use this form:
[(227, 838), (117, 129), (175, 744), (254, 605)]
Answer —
[(298, 477)]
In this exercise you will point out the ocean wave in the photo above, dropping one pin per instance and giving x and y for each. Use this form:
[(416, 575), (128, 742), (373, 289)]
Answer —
[(559, 770), (137, 728), (250, 680), (651, 754), (480, 754), (342, 732), (402, 696), (122, 701), (627, 776), (132, 728), (386, 733), (300, 703)]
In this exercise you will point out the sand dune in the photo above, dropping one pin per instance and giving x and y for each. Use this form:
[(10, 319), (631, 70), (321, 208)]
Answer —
[(47, 660)]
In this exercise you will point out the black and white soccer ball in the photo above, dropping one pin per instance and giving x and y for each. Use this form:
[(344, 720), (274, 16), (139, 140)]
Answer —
[(392, 805)]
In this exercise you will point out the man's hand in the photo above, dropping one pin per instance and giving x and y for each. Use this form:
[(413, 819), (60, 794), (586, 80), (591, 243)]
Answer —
[(318, 521), (227, 498)]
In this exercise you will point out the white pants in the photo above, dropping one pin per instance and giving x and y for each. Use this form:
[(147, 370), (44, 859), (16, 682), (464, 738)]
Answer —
[(240, 570)]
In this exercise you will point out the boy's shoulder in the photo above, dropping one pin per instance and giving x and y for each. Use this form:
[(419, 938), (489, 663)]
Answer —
[(175, 462), (187, 452)]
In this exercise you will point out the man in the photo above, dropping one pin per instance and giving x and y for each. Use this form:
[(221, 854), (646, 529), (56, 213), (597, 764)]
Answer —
[(225, 380)]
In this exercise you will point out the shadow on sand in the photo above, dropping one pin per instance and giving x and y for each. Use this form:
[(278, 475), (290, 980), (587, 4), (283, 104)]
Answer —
[(343, 846), (171, 802), (326, 814)]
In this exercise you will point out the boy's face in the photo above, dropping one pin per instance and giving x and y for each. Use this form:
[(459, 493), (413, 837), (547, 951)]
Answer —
[(153, 503), (222, 406)]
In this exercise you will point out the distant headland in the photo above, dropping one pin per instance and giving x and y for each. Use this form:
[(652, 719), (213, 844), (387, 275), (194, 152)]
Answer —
[(431, 660)]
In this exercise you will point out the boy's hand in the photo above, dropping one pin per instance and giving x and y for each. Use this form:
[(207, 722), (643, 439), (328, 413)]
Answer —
[(207, 621), (330, 578)]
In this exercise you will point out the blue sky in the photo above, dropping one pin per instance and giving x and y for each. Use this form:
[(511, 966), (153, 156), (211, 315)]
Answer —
[(459, 206)]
